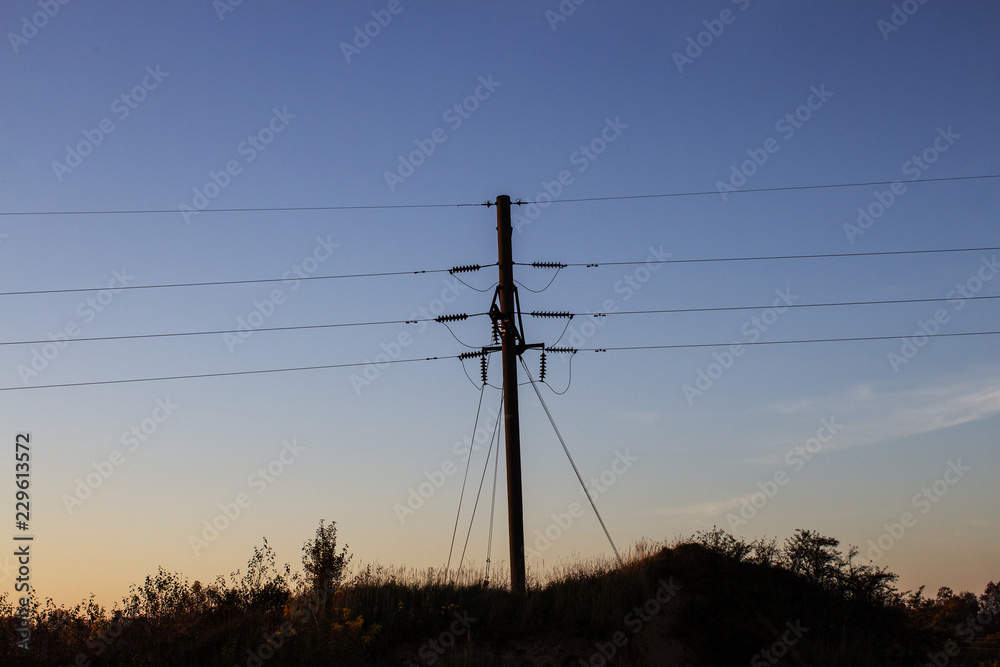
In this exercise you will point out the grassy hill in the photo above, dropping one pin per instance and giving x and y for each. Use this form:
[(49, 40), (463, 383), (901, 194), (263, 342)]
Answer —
[(710, 600)]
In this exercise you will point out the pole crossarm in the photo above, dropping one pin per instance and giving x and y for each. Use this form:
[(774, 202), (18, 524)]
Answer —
[(507, 323)]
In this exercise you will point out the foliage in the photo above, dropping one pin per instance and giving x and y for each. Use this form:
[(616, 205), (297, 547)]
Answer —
[(324, 567), (730, 599)]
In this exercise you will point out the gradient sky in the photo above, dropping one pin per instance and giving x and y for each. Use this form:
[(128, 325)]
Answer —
[(345, 119)]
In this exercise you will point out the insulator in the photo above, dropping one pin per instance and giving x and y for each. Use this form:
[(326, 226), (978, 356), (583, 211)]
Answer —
[(550, 313), (465, 269), (451, 318), (496, 331), (570, 350), (482, 367), (541, 373), (548, 265), (469, 355)]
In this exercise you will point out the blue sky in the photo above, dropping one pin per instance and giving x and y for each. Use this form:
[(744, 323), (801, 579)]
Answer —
[(263, 107)]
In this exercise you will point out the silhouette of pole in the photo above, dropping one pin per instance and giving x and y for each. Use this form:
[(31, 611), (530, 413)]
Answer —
[(511, 346)]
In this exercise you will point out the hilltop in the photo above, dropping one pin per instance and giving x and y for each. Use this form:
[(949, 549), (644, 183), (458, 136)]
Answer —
[(712, 599)]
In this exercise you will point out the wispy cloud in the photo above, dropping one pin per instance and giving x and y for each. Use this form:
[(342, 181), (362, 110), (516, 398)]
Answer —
[(705, 510), (875, 414)]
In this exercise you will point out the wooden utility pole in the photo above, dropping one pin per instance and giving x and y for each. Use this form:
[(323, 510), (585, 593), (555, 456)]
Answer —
[(512, 345)]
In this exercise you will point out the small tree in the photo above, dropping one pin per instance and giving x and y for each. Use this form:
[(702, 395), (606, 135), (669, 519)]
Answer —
[(323, 566), (813, 556)]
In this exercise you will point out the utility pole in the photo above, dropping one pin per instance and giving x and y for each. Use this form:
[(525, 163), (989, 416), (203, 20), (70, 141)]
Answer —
[(506, 315), (511, 342)]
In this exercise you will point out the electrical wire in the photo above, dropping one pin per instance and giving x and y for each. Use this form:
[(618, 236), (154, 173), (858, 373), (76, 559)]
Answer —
[(748, 190), (493, 286), (775, 257), (462, 361), (224, 331), (539, 291), (493, 504), (273, 209), (758, 307), (222, 374), (404, 361), (488, 289), (475, 428), (290, 209), (568, 382), (221, 282), (565, 329), (784, 342), (571, 461), (495, 438), (459, 340)]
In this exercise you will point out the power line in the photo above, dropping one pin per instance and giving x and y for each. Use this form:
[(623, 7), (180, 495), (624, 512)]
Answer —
[(224, 282), (453, 270), (406, 361), (223, 374), (288, 209), (773, 342), (233, 331), (274, 209), (777, 189), (758, 307), (775, 257)]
